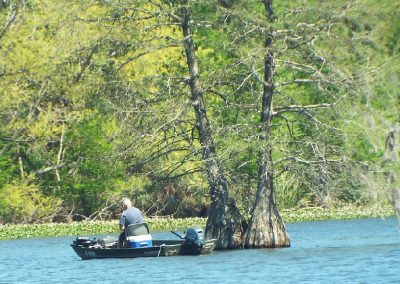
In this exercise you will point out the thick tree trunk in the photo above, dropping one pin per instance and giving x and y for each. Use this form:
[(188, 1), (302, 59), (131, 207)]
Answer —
[(224, 221), (266, 228)]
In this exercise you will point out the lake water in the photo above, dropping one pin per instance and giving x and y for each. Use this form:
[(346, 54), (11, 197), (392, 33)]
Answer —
[(351, 251)]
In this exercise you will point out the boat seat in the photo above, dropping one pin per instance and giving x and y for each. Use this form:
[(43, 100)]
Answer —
[(137, 230)]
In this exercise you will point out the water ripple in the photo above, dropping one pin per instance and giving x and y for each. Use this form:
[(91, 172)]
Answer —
[(356, 251)]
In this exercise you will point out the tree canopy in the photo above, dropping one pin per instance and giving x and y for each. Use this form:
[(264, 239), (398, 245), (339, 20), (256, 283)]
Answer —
[(95, 104)]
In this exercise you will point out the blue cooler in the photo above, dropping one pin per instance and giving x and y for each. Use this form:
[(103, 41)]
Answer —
[(142, 241)]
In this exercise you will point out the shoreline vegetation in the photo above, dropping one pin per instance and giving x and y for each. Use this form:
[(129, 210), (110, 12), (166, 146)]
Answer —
[(23, 231)]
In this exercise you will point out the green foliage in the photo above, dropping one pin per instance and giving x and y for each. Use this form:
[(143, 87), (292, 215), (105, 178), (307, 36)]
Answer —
[(90, 228), (7, 168), (94, 103), (21, 201), (96, 171)]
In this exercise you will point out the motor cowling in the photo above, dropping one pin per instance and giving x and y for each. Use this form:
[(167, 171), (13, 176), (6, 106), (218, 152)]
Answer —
[(84, 241), (195, 237)]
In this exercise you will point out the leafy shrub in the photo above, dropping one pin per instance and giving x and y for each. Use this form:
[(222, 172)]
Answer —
[(21, 201)]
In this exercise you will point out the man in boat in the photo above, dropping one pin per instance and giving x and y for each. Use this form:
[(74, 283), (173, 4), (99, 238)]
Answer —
[(131, 215)]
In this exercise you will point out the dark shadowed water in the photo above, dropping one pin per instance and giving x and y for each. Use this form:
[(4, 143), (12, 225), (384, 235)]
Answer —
[(355, 251)]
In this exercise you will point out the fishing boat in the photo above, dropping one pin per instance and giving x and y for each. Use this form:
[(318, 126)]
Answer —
[(141, 244)]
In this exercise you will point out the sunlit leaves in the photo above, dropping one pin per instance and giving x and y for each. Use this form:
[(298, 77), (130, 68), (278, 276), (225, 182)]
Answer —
[(23, 202), (97, 90)]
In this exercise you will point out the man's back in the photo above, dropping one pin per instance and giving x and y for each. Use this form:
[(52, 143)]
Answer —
[(131, 215)]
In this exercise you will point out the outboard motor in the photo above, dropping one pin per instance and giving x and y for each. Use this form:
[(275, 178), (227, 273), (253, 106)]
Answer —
[(194, 238), (83, 241)]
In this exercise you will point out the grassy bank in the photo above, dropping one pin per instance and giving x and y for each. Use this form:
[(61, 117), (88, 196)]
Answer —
[(159, 224)]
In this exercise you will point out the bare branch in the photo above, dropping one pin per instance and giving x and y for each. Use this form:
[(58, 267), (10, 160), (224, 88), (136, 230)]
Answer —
[(297, 81), (49, 169), (305, 162), (240, 36), (287, 124), (243, 82), (17, 140), (86, 63), (221, 95), (299, 66), (168, 122), (130, 59), (304, 111), (12, 16), (297, 108)]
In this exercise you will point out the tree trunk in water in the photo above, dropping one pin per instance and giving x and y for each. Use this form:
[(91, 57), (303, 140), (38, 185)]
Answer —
[(266, 228), (224, 220), (392, 157)]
